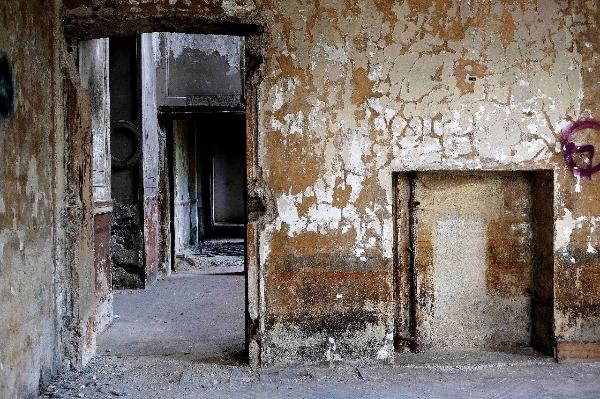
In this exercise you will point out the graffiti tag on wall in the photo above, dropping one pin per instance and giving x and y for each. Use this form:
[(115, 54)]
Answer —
[(572, 150)]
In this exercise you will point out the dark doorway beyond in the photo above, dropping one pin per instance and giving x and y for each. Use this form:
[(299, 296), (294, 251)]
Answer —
[(209, 178), (220, 143), (127, 238)]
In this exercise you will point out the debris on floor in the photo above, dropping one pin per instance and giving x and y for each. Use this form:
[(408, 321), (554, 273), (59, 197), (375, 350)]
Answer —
[(149, 377), (214, 256)]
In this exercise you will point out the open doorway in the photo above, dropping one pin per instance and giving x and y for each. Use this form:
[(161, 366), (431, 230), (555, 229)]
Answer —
[(209, 190), (177, 174)]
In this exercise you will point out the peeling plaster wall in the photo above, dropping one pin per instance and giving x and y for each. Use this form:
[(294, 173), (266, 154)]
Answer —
[(151, 156), (353, 91), (576, 241), (30, 335)]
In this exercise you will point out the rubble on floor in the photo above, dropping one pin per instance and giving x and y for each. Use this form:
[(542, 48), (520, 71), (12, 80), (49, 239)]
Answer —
[(215, 256), (155, 377)]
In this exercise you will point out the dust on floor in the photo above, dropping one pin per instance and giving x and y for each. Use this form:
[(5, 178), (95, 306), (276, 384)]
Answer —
[(184, 338), (156, 377)]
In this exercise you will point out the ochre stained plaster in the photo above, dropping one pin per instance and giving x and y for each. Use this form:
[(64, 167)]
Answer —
[(353, 91), (577, 243), (352, 94)]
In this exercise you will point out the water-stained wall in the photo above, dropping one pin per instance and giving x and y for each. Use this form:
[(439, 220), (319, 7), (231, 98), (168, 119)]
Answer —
[(354, 91), (29, 333), (350, 93)]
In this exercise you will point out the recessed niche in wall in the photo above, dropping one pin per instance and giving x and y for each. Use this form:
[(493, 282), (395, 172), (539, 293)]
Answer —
[(474, 263)]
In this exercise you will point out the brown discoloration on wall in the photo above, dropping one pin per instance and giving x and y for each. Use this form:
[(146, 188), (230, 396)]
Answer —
[(386, 8), (580, 286), (363, 87), (103, 277), (568, 351), (537, 71), (508, 260), (324, 293), (466, 73), (508, 28), (326, 304), (310, 244)]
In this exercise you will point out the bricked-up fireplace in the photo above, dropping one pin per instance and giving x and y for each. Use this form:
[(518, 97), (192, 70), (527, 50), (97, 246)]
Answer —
[(474, 260)]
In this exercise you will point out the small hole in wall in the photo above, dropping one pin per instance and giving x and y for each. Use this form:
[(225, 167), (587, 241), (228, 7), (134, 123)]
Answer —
[(472, 78), (6, 87)]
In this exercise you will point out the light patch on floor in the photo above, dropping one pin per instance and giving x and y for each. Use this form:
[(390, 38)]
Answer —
[(191, 316)]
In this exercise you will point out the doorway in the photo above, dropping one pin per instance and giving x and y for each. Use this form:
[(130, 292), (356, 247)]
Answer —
[(209, 189), (178, 153)]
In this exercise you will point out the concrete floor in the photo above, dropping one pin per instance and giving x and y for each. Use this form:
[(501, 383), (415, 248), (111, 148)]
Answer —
[(189, 316), (184, 338)]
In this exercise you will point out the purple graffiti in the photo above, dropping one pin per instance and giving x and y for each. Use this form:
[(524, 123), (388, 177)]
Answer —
[(570, 149)]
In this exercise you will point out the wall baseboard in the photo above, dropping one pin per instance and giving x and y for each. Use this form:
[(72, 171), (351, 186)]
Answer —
[(577, 351)]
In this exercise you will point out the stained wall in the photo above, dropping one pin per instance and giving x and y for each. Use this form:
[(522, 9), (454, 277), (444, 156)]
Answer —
[(354, 91), (30, 351), (351, 96), (350, 93), (472, 274)]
